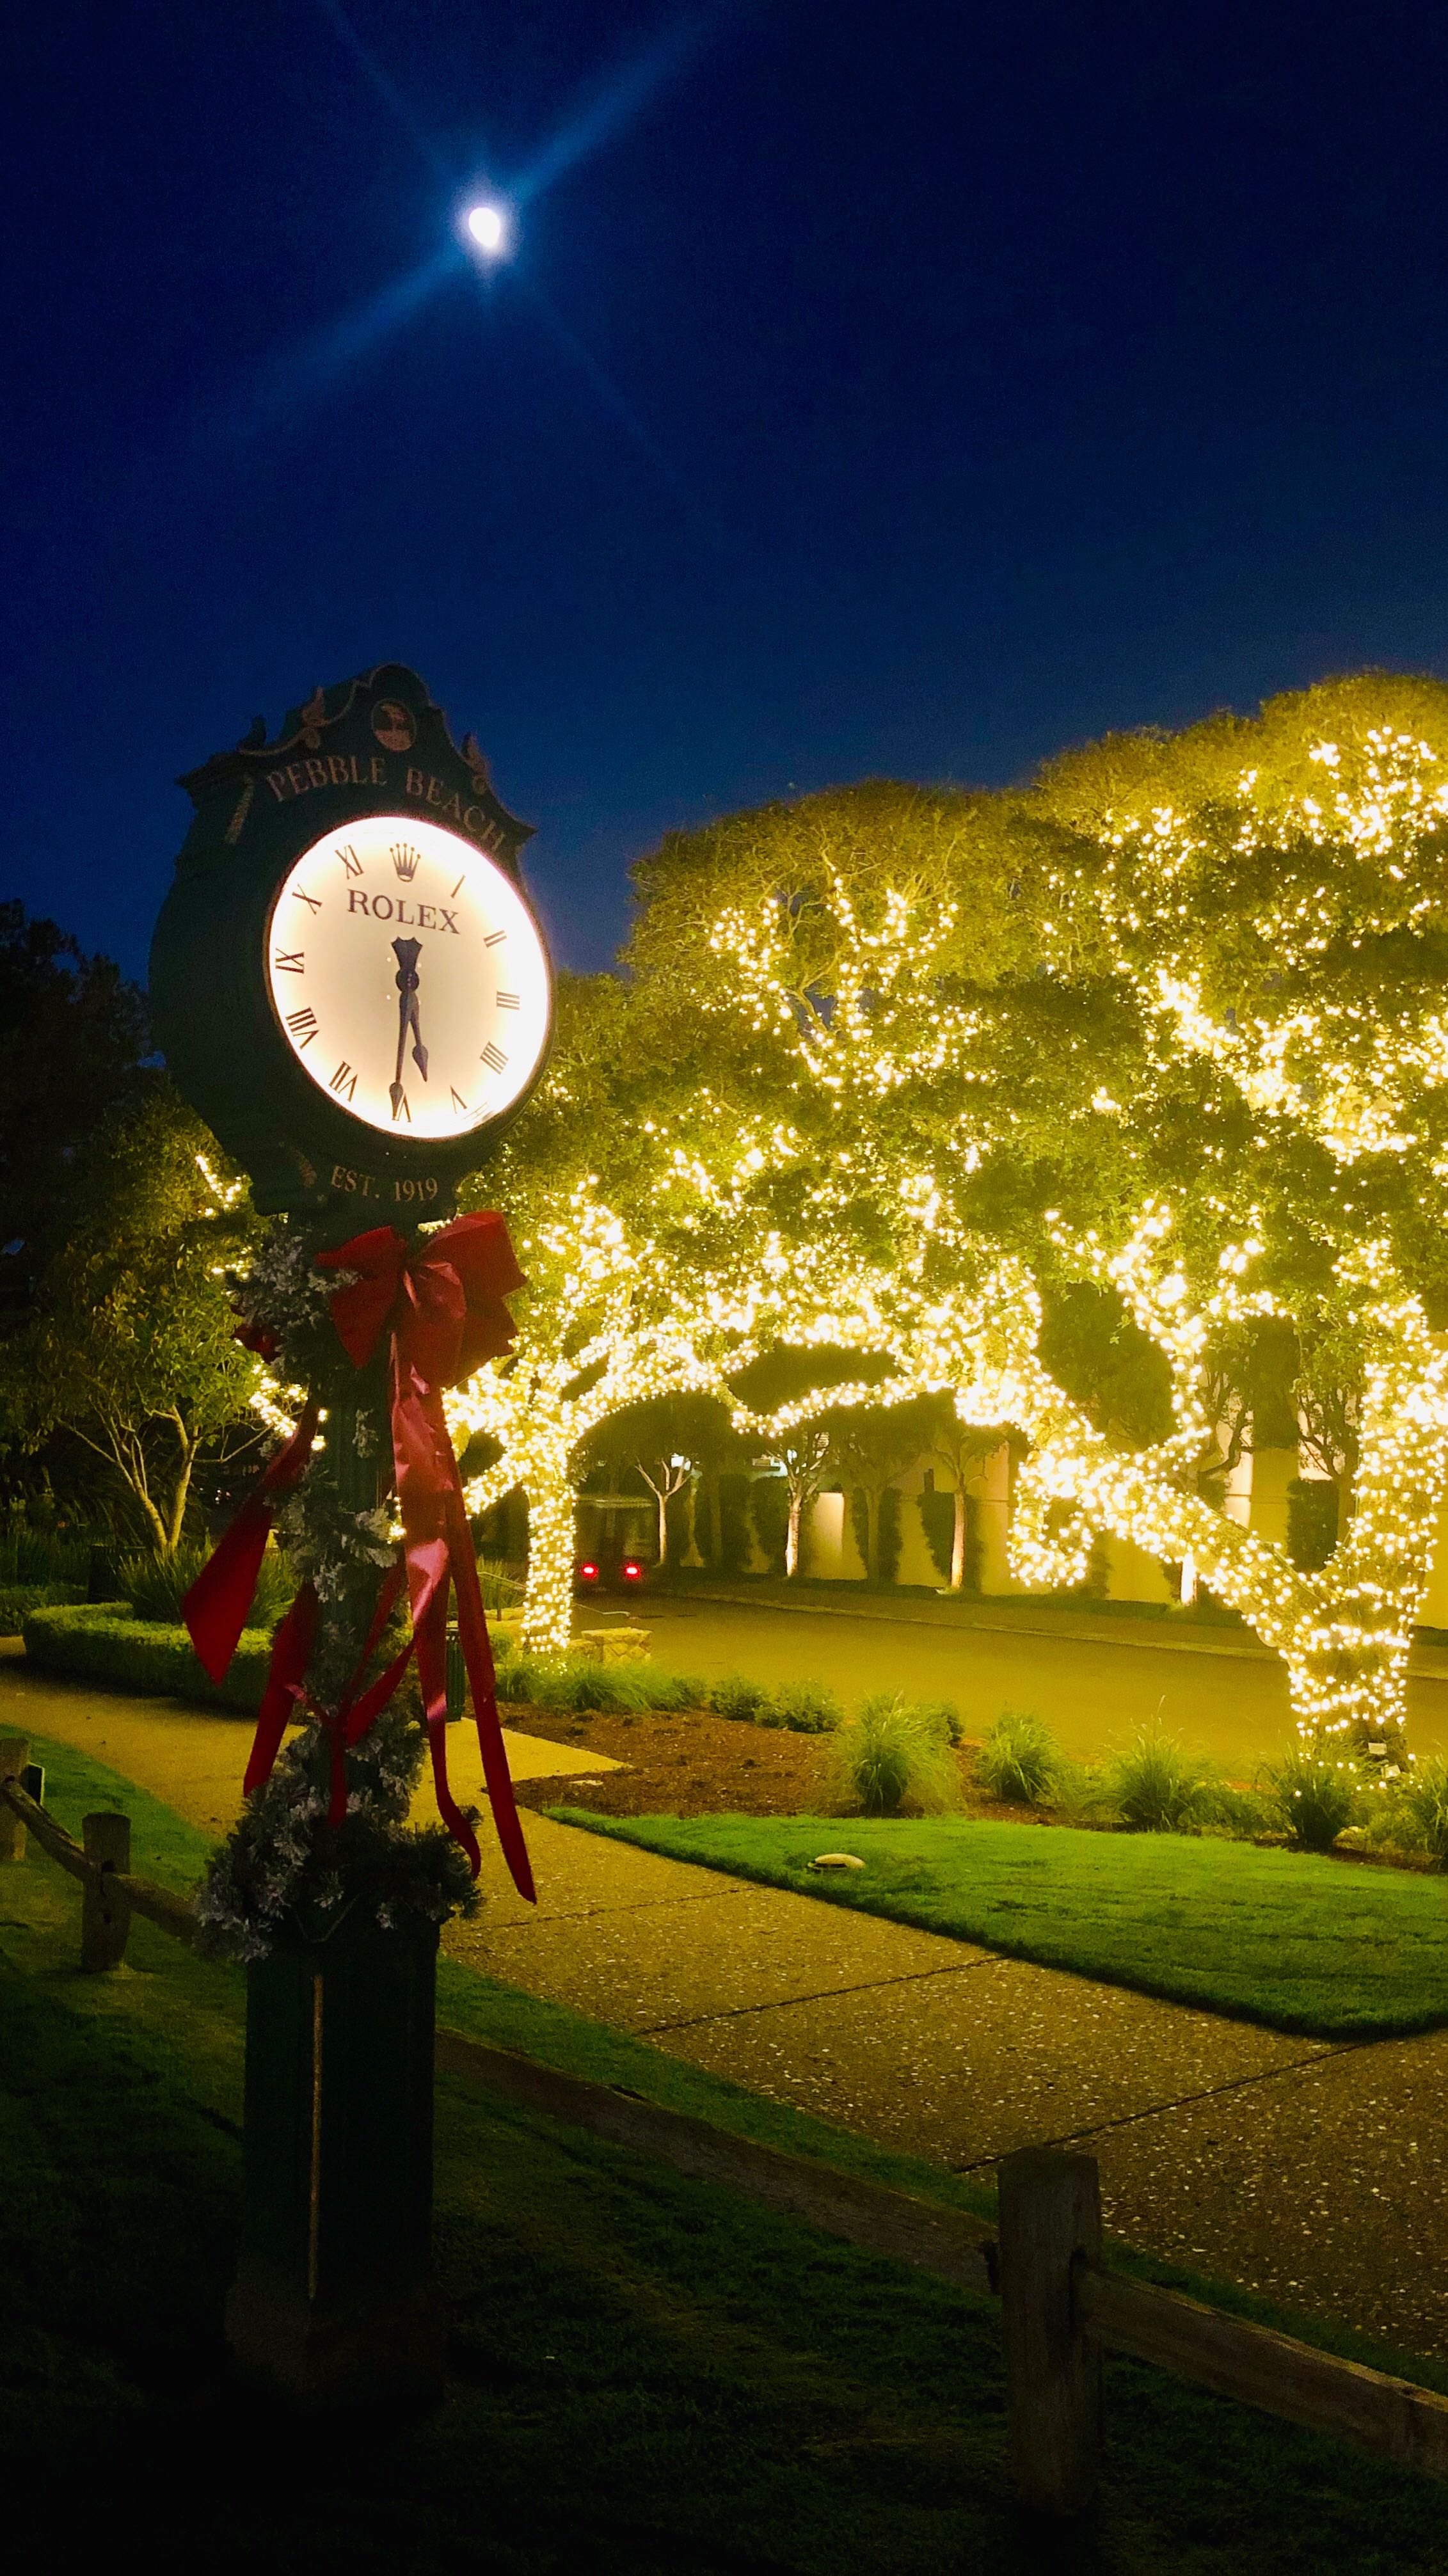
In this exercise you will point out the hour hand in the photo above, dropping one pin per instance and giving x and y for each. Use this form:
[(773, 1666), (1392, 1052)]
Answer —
[(419, 1051)]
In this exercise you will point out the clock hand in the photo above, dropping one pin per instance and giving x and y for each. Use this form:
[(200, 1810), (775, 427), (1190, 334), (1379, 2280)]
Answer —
[(406, 952), (419, 1051)]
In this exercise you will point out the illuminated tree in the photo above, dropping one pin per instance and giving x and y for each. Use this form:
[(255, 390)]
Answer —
[(1168, 1027), (610, 1318), (1269, 906)]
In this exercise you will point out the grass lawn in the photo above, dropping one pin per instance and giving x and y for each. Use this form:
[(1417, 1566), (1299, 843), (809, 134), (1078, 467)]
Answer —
[(646, 2374), (1323, 1947)]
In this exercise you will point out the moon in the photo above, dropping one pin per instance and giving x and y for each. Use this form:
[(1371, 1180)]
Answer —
[(485, 223)]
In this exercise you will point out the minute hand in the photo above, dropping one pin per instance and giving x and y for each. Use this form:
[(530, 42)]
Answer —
[(406, 952)]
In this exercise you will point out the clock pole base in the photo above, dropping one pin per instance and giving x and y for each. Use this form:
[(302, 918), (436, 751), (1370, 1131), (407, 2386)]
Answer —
[(382, 2347), (333, 2302)]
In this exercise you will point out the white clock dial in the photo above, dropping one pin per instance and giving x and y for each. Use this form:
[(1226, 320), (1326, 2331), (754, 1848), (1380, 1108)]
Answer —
[(407, 977)]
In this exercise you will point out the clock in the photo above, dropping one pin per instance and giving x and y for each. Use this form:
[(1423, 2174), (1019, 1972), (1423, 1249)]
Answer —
[(408, 977), (347, 978)]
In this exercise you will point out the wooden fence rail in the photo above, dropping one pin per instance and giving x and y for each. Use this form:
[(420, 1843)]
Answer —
[(1062, 2306)]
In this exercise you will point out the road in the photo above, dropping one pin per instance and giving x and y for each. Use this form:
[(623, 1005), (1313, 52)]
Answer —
[(1094, 1681)]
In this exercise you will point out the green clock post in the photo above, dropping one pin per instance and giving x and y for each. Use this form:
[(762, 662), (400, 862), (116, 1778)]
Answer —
[(350, 987)]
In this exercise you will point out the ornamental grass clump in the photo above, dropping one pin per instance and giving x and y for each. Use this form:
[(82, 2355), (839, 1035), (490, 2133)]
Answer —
[(1419, 1809), (1157, 1787), (1315, 1796), (891, 1753), (156, 1586), (1020, 1761), (500, 1589)]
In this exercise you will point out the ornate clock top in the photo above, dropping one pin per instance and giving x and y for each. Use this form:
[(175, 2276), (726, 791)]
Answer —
[(347, 978)]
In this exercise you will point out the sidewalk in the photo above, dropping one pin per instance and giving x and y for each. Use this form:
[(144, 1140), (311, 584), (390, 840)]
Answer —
[(1308, 2171)]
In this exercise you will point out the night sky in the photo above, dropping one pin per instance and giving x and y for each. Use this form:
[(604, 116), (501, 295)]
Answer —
[(904, 389)]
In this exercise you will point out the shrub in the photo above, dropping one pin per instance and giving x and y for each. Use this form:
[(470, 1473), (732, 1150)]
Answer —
[(890, 1752), (1312, 1509), (105, 1641), (1020, 1759), (1314, 1796), (581, 1682), (1236, 1811), (737, 1696), (1081, 1793), (769, 1513), (734, 1526), (1420, 1808), (1158, 1787), (944, 1716), (17, 1600), (806, 1708)]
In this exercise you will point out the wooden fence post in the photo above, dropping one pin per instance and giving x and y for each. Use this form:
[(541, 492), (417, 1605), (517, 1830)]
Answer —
[(14, 1754), (1050, 2214), (105, 1917)]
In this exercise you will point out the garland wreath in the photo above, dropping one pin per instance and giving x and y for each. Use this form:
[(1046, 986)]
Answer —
[(379, 1327)]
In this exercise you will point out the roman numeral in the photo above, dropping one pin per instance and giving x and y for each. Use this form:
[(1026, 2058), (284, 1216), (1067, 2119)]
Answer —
[(506, 1001), (458, 1100), (493, 938), (493, 1057), (310, 900), (288, 961), (303, 1025), (350, 862), (457, 889), (344, 1081), (400, 1103)]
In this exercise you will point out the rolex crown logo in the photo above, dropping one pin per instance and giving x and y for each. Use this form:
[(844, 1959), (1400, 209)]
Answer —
[(405, 859)]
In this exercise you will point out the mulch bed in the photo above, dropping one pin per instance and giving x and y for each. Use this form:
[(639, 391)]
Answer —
[(691, 1763)]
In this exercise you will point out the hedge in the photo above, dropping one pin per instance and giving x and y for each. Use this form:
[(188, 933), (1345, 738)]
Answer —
[(17, 1600), (105, 1642)]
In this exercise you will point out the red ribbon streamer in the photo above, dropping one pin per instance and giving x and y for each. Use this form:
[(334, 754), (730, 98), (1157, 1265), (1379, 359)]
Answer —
[(442, 1303), (215, 1608)]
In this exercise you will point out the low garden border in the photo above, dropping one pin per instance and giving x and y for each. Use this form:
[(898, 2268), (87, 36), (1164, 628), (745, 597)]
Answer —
[(1061, 2305)]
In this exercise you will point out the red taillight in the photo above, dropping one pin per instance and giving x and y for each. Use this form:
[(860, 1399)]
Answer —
[(631, 1570), (588, 1574)]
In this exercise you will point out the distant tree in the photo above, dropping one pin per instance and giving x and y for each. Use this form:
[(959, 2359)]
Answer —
[(868, 1447), (129, 1348), (667, 1440), (959, 1446), (73, 1041), (805, 1457)]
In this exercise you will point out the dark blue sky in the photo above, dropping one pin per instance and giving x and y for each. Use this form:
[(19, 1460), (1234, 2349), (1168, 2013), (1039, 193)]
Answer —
[(905, 388)]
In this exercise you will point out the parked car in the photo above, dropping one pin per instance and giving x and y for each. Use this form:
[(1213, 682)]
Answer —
[(610, 1574)]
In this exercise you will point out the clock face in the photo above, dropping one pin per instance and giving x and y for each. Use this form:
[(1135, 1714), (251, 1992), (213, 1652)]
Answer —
[(408, 977)]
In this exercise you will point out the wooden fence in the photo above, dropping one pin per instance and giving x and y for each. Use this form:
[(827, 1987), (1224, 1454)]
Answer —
[(1061, 2304)]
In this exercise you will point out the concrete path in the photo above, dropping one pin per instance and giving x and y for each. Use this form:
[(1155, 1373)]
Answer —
[(1311, 2172)]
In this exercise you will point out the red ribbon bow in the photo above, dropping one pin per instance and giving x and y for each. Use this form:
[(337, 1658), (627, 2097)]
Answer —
[(441, 1301)]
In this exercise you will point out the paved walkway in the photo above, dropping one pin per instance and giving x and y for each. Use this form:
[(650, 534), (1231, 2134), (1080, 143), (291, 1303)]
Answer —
[(1314, 2173)]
